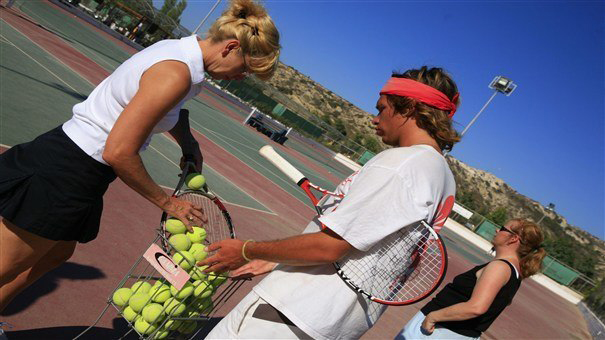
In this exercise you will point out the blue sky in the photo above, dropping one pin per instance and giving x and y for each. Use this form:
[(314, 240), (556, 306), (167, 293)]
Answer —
[(546, 140)]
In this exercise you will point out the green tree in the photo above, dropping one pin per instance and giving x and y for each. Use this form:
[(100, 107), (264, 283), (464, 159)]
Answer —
[(172, 10), (466, 199), (326, 118), (499, 216), (596, 299), (339, 124), (372, 144)]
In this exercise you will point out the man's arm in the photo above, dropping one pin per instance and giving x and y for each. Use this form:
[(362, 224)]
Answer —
[(301, 250)]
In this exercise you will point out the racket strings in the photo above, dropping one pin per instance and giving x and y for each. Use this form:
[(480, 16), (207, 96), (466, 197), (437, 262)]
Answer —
[(217, 227), (403, 266)]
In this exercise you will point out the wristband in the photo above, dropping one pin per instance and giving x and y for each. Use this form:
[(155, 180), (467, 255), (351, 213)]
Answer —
[(244, 251)]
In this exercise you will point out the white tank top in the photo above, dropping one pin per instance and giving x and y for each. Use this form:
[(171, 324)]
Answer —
[(94, 118)]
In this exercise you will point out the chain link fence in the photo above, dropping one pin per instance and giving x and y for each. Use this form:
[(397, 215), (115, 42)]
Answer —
[(270, 101), (138, 20)]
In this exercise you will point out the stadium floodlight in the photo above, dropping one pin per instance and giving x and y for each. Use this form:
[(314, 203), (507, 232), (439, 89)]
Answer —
[(503, 85), (500, 84)]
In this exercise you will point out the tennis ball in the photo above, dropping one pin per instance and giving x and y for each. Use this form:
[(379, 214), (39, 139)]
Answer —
[(184, 293), (153, 313), (198, 251), (144, 327), (180, 242), (174, 307), (160, 293), (206, 306), (175, 226), (192, 314), (121, 296), (171, 325), (157, 283), (184, 259), (202, 306), (216, 279), (195, 181), (130, 315), (198, 235), (203, 289), (138, 301), (161, 334), (188, 327), (197, 273), (141, 287)]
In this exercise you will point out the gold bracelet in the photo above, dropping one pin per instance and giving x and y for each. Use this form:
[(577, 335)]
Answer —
[(244, 251)]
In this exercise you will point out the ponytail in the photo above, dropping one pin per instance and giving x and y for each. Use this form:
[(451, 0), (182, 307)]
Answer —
[(530, 251)]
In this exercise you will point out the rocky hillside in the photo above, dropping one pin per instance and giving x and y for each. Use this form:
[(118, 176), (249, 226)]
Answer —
[(483, 190), (350, 120)]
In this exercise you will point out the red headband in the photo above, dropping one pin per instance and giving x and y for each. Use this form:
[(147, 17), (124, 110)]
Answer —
[(405, 87)]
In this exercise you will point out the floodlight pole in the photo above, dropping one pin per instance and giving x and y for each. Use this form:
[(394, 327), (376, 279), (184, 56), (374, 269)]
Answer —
[(499, 84), (478, 113), (206, 17)]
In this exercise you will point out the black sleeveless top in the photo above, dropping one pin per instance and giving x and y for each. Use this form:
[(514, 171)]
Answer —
[(461, 289)]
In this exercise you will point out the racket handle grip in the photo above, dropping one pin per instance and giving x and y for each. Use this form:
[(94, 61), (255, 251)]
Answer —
[(188, 157), (282, 164)]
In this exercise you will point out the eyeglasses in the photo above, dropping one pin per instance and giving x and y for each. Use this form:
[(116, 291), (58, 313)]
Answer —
[(503, 228)]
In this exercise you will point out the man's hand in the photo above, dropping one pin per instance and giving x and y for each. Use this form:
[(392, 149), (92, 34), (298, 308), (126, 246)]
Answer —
[(253, 268), (428, 325), (228, 256)]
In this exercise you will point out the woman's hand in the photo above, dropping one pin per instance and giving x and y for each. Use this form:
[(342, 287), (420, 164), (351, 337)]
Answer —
[(189, 213), (428, 325), (253, 268)]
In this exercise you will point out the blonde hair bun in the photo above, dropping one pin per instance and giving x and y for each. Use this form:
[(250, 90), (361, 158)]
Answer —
[(249, 23)]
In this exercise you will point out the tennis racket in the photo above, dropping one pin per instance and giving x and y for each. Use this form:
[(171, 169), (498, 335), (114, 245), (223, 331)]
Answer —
[(219, 226), (403, 268)]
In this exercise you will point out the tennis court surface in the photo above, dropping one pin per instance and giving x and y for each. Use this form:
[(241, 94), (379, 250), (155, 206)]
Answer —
[(51, 60)]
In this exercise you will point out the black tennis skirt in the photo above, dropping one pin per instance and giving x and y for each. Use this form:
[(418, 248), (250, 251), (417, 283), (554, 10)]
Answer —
[(53, 189)]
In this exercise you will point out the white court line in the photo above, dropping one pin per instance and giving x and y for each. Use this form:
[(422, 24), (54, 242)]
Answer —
[(289, 183), (49, 26), (50, 54), (230, 139), (231, 203), (44, 67), (225, 178)]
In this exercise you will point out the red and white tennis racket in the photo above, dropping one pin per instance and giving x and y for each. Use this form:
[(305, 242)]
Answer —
[(403, 268)]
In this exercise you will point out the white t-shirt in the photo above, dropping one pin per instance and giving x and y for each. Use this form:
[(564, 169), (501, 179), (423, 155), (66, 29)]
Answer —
[(396, 188), (94, 118)]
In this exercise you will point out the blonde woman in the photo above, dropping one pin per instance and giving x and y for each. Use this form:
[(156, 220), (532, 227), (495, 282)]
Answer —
[(468, 305), (51, 188)]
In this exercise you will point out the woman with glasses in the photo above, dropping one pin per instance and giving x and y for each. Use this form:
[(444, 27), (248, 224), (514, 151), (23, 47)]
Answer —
[(51, 188), (469, 304)]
